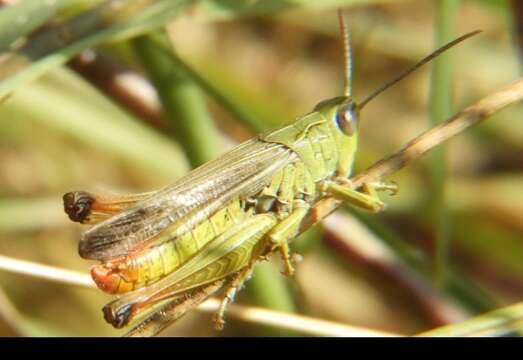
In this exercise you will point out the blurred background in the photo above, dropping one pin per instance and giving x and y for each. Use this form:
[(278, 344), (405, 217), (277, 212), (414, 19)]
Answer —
[(80, 82)]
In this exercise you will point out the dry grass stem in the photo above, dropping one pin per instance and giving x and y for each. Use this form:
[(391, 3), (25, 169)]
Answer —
[(304, 324), (466, 118), (45, 272)]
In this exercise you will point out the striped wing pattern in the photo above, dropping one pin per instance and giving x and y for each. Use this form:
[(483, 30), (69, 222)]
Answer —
[(241, 172)]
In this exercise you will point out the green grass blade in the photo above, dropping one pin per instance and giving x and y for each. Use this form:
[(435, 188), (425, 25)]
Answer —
[(20, 19), (504, 321), (269, 289), (113, 20), (235, 107), (183, 102), (63, 101), (441, 109)]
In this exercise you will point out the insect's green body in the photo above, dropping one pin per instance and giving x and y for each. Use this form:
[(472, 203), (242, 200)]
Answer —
[(190, 254), (209, 228), (319, 142), (172, 248)]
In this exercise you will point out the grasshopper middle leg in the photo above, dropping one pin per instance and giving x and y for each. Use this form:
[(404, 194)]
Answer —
[(287, 229)]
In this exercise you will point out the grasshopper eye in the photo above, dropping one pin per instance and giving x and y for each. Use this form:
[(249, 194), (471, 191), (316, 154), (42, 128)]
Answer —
[(347, 118)]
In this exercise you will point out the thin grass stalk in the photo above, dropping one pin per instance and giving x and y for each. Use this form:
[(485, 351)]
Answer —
[(112, 20), (237, 110), (20, 19), (441, 109), (500, 322), (182, 100), (255, 315)]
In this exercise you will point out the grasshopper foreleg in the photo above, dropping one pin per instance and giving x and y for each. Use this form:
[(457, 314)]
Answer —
[(389, 186), (367, 198)]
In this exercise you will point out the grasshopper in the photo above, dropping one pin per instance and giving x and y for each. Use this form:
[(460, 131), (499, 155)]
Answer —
[(208, 230)]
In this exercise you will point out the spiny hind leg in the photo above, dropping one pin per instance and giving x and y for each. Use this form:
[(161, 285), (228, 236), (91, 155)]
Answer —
[(227, 254), (120, 312), (367, 198), (285, 230), (173, 310), (236, 284)]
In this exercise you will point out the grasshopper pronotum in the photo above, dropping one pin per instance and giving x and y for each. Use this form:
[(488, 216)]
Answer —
[(178, 245)]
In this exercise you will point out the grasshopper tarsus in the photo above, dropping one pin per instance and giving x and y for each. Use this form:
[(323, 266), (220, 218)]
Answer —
[(218, 322), (119, 319), (390, 186)]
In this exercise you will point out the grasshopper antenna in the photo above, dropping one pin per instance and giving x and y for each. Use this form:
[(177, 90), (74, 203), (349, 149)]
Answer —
[(347, 52), (420, 63)]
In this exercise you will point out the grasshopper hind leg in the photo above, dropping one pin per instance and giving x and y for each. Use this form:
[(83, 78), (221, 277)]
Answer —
[(236, 284), (174, 310), (229, 254)]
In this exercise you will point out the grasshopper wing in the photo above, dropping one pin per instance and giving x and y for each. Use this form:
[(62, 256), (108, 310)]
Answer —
[(242, 172)]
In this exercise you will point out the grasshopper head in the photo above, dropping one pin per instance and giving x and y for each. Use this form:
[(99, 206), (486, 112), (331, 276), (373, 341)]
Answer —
[(343, 112)]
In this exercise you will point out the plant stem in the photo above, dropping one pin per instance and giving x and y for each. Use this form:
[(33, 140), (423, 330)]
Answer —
[(228, 103), (499, 322), (182, 100), (269, 289), (441, 109), (302, 324)]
